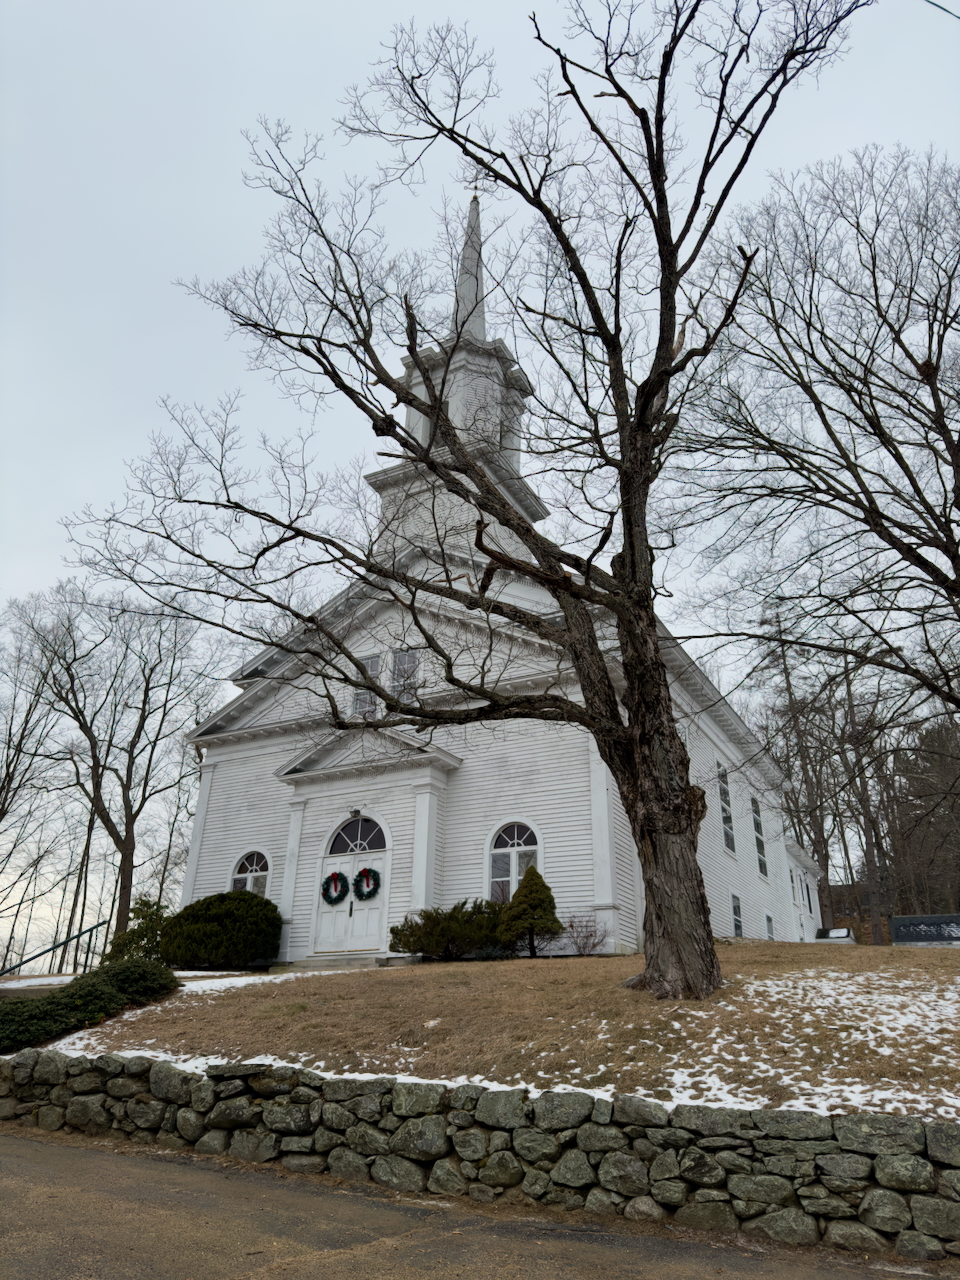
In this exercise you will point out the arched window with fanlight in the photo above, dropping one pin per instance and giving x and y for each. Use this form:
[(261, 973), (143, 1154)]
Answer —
[(359, 835), (251, 874), (515, 848)]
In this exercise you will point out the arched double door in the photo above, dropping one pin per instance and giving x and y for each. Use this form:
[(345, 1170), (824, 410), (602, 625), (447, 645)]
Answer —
[(358, 854)]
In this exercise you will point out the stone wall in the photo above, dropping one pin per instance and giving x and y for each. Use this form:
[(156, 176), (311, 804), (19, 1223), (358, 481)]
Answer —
[(859, 1182)]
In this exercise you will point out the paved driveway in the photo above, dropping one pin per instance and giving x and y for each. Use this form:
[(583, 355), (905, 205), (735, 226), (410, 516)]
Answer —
[(72, 1212)]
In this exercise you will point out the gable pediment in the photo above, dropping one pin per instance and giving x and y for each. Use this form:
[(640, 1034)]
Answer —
[(358, 751)]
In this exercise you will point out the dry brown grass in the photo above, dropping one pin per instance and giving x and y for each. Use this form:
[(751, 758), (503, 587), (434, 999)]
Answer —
[(849, 1027)]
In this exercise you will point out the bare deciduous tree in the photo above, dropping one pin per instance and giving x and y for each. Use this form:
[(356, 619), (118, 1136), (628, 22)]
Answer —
[(829, 449), (610, 187)]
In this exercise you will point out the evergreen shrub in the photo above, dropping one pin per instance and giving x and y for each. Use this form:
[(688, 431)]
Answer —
[(142, 939), (452, 933), (530, 916), (84, 1002), (225, 931)]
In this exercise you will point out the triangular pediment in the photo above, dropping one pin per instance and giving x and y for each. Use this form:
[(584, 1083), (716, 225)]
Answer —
[(354, 751)]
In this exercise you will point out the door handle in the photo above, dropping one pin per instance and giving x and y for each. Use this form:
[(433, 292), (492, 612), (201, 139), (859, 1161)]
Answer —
[(351, 908)]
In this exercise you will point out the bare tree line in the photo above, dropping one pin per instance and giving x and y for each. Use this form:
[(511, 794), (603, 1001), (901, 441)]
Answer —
[(97, 783)]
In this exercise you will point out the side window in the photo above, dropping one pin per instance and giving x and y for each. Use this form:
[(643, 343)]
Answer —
[(405, 664), (726, 812), (770, 928), (514, 850), (806, 886), (364, 700), (251, 874), (793, 885), (758, 835), (737, 916)]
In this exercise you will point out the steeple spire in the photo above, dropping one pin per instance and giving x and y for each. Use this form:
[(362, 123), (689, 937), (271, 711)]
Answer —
[(469, 319)]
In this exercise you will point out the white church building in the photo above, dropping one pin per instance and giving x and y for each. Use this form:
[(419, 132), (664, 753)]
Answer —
[(347, 831)]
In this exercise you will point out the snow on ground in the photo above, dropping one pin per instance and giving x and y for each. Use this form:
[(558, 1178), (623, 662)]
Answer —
[(809, 1040)]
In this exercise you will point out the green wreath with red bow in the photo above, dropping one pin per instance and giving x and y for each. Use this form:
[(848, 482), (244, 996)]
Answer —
[(366, 884), (335, 888)]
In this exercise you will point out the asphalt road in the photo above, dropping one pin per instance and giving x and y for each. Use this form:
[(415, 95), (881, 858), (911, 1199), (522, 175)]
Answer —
[(72, 1212)]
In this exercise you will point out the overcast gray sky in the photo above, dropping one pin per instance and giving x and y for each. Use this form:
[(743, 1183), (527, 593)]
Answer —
[(123, 156)]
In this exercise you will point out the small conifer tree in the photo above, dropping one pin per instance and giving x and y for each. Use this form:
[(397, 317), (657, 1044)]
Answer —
[(531, 914)]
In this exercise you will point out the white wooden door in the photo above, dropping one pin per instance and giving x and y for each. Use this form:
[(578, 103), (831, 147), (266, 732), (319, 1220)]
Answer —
[(352, 925)]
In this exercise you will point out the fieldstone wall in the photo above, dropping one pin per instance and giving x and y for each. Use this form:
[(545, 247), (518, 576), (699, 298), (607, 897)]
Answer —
[(859, 1182)]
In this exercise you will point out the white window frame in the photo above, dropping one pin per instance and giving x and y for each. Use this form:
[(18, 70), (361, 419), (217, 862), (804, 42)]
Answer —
[(736, 908), (250, 875), (770, 933), (365, 700), (537, 850), (726, 809), (405, 681), (758, 837)]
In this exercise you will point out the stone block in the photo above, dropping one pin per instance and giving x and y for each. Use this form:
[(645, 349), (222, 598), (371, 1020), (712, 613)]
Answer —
[(234, 1113), (949, 1184), (671, 1191), (89, 1114), (666, 1165), (471, 1144), (600, 1137), (143, 1137), (368, 1140), (880, 1134), (748, 1208), (87, 1082), (555, 1112), (229, 1088), (905, 1173), (885, 1210), (622, 1172), (366, 1107), (573, 1169), (51, 1118), (286, 1117), (301, 1144), (78, 1065), (417, 1099), (845, 1166), (855, 1237), (785, 1226), (602, 1112), (464, 1096), (170, 1083), (503, 1169), (171, 1141), (936, 1217), (213, 1143), (275, 1083), (499, 1141), (564, 1198), (711, 1122), (325, 1140), (124, 1086), (190, 1124), (943, 1142), (299, 1163), (670, 1139), (503, 1109), (733, 1163), (202, 1096), (533, 1145), (110, 1064), (138, 1064), (914, 1244), (461, 1119), (334, 1116), (536, 1183), (341, 1090), (793, 1124), (701, 1168), (50, 1067), (760, 1186), (707, 1217), (398, 1174), (481, 1193), (826, 1206), (600, 1201), (253, 1146), (446, 1179), (628, 1108), (644, 1209), (421, 1138)]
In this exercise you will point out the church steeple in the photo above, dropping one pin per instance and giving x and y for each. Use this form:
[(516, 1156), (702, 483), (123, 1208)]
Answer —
[(469, 317)]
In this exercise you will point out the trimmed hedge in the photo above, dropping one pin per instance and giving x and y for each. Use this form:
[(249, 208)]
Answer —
[(224, 931), (84, 1002), (452, 933)]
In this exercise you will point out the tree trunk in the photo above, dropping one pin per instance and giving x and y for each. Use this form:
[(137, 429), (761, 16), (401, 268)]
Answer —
[(124, 886)]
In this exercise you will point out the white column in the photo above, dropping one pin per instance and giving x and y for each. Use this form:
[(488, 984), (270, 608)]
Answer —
[(290, 873), (193, 857), (426, 832), (604, 851)]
